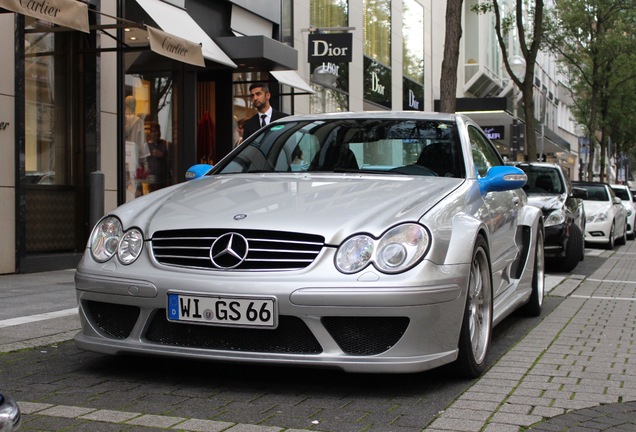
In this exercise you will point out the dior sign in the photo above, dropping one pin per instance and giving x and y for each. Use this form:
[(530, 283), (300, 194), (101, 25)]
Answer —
[(334, 48), (3, 125)]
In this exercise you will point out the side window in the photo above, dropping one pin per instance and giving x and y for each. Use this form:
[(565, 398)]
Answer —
[(484, 153)]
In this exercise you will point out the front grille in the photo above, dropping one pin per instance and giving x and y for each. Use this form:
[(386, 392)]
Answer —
[(268, 250), (365, 335), (290, 337), (114, 320)]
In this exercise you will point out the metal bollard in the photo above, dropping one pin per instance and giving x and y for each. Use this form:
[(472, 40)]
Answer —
[(96, 210)]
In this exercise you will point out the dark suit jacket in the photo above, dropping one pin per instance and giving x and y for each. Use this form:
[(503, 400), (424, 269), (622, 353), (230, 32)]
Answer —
[(253, 124)]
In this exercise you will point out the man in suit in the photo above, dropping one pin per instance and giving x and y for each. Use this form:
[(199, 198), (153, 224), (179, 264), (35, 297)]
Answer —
[(265, 113)]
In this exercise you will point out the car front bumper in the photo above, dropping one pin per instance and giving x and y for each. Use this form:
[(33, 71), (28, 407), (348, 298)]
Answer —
[(360, 323)]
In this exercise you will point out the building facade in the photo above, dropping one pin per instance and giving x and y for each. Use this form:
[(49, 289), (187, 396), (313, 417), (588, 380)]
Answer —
[(96, 116), (93, 118)]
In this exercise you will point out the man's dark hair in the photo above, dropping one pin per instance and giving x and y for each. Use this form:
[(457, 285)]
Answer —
[(265, 87)]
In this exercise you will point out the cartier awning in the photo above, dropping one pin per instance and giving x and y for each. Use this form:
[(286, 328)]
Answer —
[(65, 13), (174, 47), (178, 22)]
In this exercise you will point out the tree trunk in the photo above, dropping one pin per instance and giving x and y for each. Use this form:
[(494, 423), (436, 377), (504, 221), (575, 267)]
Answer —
[(453, 35)]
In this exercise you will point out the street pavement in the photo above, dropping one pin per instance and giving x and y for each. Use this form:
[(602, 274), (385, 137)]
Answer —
[(574, 371)]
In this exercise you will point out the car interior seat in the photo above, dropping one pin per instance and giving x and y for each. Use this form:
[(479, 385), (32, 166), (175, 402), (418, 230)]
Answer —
[(437, 158), (544, 182)]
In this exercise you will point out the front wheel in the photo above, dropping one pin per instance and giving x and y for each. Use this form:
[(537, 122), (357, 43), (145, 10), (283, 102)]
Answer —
[(622, 240), (610, 241), (573, 251), (474, 338)]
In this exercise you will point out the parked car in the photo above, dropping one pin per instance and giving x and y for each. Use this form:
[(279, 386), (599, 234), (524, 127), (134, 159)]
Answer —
[(606, 218), (627, 200), (10, 416), (398, 245), (549, 188)]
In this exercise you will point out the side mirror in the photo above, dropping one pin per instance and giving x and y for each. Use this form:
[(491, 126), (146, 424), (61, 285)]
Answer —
[(617, 200), (579, 193), (197, 171), (502, 178)]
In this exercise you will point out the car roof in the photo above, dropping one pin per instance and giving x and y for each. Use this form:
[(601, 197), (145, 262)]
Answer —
[(539, 164), (579, 182), (415, 115)]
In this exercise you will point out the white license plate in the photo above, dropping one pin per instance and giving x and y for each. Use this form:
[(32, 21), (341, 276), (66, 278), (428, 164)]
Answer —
[(221, 310)]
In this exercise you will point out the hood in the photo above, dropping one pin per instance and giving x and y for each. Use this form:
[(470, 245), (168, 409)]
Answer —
[(592, 207), (331, 205), (547, 201)]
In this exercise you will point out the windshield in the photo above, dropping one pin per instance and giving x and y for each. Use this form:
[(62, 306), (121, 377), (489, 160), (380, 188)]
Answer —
[(595, 193), (413, 147), (542, 180), (622, 193)]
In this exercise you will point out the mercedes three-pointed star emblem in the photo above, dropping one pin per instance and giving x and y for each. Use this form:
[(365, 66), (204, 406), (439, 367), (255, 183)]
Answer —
[(229, 251)]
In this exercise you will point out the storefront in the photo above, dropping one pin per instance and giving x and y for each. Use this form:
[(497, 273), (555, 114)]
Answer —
[(92, 118)]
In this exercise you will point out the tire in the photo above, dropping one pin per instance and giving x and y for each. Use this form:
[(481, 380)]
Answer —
[(535, 303), (623, 239), (474, 338), (610, 242), (574, 250)]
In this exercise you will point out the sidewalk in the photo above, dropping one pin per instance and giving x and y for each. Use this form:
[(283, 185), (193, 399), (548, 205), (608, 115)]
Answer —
[(574, 371)]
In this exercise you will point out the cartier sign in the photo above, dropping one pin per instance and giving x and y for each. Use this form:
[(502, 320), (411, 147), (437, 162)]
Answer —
[(66, 13), (174, 47), (332, 47)]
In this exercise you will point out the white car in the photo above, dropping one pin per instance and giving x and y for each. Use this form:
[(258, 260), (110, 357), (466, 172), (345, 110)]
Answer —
[(605, 216), (627, 199)]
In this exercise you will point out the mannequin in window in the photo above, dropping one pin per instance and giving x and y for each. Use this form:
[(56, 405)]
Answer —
[(260, 95)]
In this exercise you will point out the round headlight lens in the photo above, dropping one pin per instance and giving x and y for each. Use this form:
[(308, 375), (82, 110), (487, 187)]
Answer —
[(354, 254), (555, 218), (105, 238), (402, 247), (130, 246)]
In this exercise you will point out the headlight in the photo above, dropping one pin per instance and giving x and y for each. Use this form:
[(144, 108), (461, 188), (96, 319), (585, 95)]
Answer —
[(397, 250), (130, 246), (557, 217), (354, 254), (601, 216), (105, 238), (108, 238)]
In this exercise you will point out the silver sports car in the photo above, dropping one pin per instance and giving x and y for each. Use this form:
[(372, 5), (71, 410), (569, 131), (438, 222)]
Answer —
[(369, 242)]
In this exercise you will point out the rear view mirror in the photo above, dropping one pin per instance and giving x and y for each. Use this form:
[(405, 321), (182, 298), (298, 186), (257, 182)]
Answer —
[(197, 171)]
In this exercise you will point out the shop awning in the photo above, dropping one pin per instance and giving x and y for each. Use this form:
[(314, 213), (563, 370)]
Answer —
[(65, 13), (176, 21), (292, 79), (174, 47)]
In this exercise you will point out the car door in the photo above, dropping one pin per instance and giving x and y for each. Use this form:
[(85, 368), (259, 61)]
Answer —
[(620, 214), (503, 210)]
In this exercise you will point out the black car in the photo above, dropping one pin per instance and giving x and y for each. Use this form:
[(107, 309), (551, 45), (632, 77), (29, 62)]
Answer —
[(549, 189)]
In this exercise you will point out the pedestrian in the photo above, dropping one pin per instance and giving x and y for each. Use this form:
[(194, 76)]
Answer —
[(158, 158), (260, 95)]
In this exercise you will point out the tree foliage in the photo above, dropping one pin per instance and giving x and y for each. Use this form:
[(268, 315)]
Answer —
[(595, 42)]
